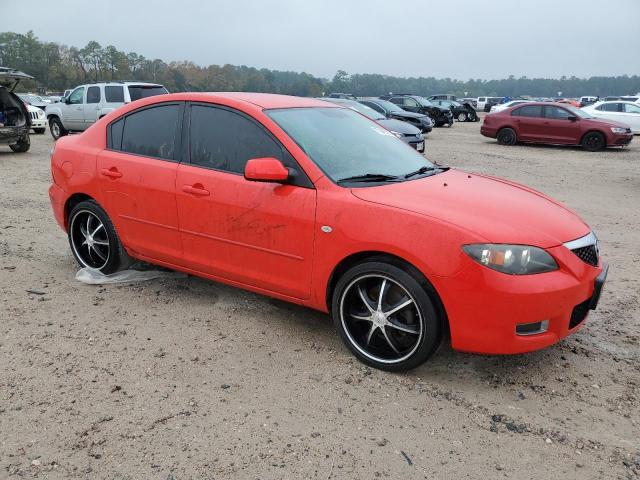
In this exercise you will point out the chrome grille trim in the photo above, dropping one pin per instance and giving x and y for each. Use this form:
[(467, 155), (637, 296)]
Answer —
[(589, 239)]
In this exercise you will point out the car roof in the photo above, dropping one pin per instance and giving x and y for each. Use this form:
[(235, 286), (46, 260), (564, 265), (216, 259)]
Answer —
[(264, 100)]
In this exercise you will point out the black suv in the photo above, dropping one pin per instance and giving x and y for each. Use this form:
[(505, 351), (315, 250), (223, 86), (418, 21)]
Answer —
[(15, 120), (391, 110), (415, 103)]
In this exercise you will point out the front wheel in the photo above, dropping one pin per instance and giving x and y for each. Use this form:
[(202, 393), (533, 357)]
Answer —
[(462, 117), (593, 141), (57, 129), (507, 136), (93, 239), (23, 145), (385, 316)]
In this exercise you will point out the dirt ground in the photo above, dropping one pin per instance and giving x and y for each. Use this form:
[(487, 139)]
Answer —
[(187, 379)]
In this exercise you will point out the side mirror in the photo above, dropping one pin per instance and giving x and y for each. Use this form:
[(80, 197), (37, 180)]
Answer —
[(572, 118), (266, 170), (67, 100)]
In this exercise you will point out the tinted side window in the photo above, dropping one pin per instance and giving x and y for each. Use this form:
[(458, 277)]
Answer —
[(114, 94), (608, 107), (396, 100), (151, 132), (528, 111), (409, 102), (224, 140), (77, 96), (556, 113), (115, 135), (93, 95)]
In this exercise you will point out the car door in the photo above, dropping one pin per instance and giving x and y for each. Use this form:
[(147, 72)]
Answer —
[(529, 123), (410, 104), (73, 112), (137, 176), (609, 111), (632, 116), (256, 234), (561, 126), (92, 105)]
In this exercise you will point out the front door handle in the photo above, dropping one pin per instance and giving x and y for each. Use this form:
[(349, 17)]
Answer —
[(111, 172), (196, 189)]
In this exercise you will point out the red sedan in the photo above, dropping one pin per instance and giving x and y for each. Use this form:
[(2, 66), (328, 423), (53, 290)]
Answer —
[(317, 205), (554, 123)]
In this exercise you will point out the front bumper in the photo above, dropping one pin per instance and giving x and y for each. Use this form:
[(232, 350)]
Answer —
[(484, 306), (621, 139)]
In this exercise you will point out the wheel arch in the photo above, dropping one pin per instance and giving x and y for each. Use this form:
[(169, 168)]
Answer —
[(371, 255), (594, 130), (72, 201)]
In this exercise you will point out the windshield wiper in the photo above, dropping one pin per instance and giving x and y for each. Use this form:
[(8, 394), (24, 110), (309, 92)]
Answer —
[(420, 171), (369, 177)]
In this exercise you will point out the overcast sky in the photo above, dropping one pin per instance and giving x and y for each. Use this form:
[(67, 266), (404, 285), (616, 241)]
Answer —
[(448, 38)]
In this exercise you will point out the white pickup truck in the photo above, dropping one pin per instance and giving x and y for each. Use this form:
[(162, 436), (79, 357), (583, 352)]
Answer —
[(87, 103)]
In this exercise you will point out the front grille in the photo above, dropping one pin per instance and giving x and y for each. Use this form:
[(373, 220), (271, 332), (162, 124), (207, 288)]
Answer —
[(588, 254), (34, 115), (579, 313)]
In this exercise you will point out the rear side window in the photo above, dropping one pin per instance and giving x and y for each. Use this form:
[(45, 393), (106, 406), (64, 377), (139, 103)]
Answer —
[(114, 94), (481, 99), (93, 95), (151, 132), (556, 113), (609, 107), (224, 140), (136, 92), (115, 135), (528, 111)]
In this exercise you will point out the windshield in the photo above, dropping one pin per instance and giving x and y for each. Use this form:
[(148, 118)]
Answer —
[(390, 107), (345, 144), (424, 102), (363, 109), (136, 92), (578, 112)]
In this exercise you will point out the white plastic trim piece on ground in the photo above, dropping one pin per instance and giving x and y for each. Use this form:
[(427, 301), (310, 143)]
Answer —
[(95, 277)]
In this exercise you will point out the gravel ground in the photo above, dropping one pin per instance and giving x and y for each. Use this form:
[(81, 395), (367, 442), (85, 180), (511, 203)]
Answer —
[(184, 378)]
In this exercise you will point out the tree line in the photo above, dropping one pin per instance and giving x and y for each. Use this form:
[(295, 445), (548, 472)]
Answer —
[(57, 67)]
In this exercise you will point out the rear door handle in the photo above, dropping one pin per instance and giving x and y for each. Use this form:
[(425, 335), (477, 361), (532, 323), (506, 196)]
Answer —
[(111, 172), (196, 189)]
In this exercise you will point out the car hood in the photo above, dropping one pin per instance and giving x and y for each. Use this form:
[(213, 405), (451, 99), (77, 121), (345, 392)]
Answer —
[(496, 210), (407, 114), (606, 122), (399, 126)]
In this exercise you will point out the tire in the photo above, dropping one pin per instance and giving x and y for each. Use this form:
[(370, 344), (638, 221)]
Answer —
[(101, 249), (395, 333), (56, 128), (507, 136), (23, 145), (462, 117), (593, 141)]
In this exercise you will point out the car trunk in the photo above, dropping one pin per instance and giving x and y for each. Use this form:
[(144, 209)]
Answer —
[(13, 112)]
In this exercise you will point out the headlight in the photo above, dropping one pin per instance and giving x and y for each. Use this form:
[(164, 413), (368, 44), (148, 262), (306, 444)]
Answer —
[(618, 130), (512, 259), (397, 134)]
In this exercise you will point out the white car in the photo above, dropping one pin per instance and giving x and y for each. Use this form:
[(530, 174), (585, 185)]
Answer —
[(623, 112), (38, 119), (504, 106)]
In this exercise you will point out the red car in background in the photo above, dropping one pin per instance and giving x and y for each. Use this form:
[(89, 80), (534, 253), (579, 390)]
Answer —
[(315, 204), (554, 123)]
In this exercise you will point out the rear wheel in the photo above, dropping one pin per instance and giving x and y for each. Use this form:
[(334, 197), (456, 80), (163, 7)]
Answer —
[(57, 129), (22, 146), (93, 239), (507, 136), (385, 316), (462, 117), (593, 141)]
